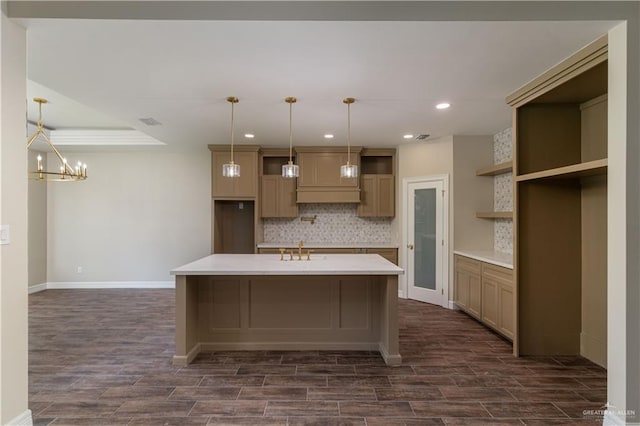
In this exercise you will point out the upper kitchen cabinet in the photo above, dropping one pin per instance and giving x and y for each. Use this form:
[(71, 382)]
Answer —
[(243, 187), (560, 207), (277, 193), (378, 195), (320, 180)]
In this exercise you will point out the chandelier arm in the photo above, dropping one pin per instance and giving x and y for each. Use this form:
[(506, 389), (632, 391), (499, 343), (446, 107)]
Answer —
[(33, 138), (67, 168)]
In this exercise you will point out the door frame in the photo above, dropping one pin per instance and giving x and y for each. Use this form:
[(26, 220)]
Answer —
[(444, 178)]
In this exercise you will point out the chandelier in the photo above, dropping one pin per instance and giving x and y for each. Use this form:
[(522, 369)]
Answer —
[(231, 169), (65, 173), (290, 170)]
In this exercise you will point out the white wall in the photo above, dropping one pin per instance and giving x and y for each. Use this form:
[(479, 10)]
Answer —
[(137, 216), (471, 193), (13, 212), (37, 224)]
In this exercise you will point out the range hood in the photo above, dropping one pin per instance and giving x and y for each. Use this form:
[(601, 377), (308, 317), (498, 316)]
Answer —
[(320, 181)]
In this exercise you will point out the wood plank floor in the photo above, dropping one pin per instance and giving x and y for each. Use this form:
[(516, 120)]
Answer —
[(101, 357)]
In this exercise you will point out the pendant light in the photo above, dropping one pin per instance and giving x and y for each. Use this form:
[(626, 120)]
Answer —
[(231, 169), (349, 170), (66, 172), (290, 170)]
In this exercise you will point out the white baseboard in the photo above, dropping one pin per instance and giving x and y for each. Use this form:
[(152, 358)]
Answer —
[(37, 288), (23, 419), (453, 306), (69, 285), (594, 349)]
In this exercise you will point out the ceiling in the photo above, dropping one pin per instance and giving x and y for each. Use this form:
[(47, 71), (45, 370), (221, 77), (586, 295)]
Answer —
[(107, 74)]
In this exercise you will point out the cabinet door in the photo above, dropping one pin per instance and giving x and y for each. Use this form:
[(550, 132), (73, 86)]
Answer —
[(506, 311), (462, 289), (475, 295), (287, 206), (244, 186), (368, 196), (386, 199), (490, 302), (322, 169), (269, 196)]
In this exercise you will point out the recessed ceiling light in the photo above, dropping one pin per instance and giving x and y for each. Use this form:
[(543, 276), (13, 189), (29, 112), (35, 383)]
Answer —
[(407, 136), (249, 135), (328, 136), (443, 105)]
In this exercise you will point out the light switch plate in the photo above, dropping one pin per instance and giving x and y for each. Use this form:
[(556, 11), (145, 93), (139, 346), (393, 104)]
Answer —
[(5, 234)]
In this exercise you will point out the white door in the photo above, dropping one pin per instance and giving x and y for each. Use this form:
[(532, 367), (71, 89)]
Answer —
[(425, 241)]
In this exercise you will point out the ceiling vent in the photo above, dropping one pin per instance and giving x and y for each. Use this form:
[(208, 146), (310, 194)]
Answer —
[(150, 121), (422, 136)]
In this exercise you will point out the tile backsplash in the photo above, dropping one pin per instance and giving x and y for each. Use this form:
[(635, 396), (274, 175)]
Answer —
[(334, 223), (503, 193)]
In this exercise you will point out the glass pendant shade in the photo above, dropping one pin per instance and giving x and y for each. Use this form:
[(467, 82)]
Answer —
[(349, 170), (231, 169), (290, 170)]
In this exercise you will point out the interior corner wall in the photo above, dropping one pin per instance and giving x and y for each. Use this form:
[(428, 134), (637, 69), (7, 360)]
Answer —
[(432, 157), (13, 212), (37, 225), (136, 217), (472, 193)]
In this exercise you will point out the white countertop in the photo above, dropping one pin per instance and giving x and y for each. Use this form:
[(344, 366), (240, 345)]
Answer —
[(494, 257), (327, 245), (270, 264)]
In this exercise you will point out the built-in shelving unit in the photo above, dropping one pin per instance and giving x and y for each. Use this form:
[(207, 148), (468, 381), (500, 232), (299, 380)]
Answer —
[(494, 215), (496, 169), (588, 168), (560, 207)]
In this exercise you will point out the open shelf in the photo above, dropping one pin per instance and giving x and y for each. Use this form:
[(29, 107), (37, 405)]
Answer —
[(494, 215), (589, 168), (496, 169)]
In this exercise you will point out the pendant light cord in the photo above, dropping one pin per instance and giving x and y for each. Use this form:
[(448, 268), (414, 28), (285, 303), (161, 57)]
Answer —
[(232, 130), (290, 130), (348, 133)]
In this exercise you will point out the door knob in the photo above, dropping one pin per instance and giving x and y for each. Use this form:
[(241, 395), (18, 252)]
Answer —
[(410, 246)]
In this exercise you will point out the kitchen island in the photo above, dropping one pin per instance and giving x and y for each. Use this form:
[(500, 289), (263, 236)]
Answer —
[(258, 302)]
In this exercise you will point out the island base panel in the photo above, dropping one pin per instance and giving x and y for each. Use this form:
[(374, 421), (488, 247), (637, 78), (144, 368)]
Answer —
[(286, 313)]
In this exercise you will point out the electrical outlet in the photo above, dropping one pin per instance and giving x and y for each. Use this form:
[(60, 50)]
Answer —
[(79, 270), (5, 234)]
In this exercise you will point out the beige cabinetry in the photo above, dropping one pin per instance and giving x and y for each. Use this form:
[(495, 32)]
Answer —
[(378, 195), (277, 193), (498, 298), (560, 204), (467, 285), (320, 181), (246, 185), (391, 254), (485, 292)]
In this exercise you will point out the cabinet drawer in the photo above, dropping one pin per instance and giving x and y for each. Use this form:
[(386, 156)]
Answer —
[(467, 264), (504, 275)]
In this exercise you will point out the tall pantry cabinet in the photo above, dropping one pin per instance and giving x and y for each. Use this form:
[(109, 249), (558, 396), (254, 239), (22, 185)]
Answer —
[(560, 204)]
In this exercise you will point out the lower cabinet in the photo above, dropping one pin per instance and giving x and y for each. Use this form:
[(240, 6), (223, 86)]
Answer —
[(485, 292), (467, 285)]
